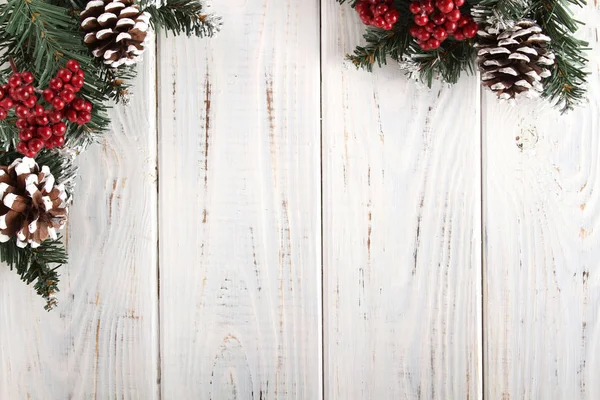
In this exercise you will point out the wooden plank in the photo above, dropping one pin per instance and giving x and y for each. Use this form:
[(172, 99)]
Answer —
[(401, 229), (240, 206), (543, 245), (101, 342)]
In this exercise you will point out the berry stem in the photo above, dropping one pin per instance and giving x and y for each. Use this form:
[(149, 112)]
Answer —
[(13, 66)]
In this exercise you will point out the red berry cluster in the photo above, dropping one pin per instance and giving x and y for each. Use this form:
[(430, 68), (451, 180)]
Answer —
[(38, 126), (434, 23), (377, 13)]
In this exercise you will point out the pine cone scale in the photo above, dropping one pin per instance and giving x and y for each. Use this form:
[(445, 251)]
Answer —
[(32, 207), (514, 61), (115, 30)]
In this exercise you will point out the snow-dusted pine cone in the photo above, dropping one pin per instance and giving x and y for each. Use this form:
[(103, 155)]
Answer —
[(514, 61), (115, 30), (33, 206)]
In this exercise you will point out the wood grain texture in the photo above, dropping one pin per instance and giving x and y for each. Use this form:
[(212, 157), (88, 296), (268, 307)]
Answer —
[(401, 215), (101, 342), (542, 247), (240, 279)]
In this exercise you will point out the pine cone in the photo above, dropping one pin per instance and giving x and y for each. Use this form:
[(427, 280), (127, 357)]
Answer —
[(116, 30), (514, 61), (32, 207)]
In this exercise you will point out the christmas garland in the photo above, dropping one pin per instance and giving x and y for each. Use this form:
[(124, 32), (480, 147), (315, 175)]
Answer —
[(62, 64), (521, 47)]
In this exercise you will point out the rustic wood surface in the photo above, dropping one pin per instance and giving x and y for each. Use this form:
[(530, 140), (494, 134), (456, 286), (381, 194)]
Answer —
[(101, 342), (266, 222), (240, 248), (542, 244), (401, 230)]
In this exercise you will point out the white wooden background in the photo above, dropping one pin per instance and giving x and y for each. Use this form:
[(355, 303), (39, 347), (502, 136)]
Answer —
[(269, 223)]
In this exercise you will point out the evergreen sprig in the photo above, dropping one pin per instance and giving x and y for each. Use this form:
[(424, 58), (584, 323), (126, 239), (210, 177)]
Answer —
[(566, 86), (40, 36), (184, 16)]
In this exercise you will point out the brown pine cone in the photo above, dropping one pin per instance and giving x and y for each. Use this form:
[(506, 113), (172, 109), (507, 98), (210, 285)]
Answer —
[(115, 30), (514, 61), (33, 206)]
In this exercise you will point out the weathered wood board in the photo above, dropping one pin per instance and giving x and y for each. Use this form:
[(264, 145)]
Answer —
[(240, 278), (542, 244), (401, 229), (101, 342)]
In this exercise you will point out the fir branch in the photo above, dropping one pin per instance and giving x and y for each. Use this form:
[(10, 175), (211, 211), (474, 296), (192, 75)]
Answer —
[(184, 16), (447, 62), (566, 86), (37, 265)]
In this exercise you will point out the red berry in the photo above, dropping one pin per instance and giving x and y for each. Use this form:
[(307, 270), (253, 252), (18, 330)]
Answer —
[(22, 148), (70, 87), (64, 75), (429, 27), (3, 114), (44, 132), (391, 17), (71, 115), (78, 104), (25, 135), (450, 26), (424, 36), (22, 93), (429, 9), (48, 95), (87, 107), (7, 103), (30, 102), (77, 81), (458, 35), (414, 31), (21, 123), (35, 145), (463, 21), (381, 9), (15, 81), (42, 120), (55, 116), (38, 110), (59, 129), (459, 3), (27, 77), (415, 7), (440, 34), (470, 30), (67, 95), (433, 43), (445, 7), (421, 20), (21, 111), (55, 84), (453, 15), (1, 93), (424, 45), (84, 117), (58, 141), (81, 73), (438, 18), (73, 65), (58, 103)]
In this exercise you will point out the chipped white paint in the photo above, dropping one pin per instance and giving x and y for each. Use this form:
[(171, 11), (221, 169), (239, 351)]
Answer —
[(239, 214)]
